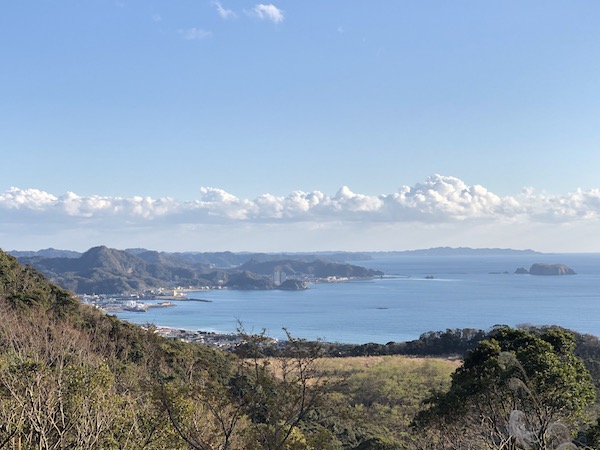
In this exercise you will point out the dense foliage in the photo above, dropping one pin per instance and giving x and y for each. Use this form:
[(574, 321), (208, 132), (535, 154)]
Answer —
[(515, 390)]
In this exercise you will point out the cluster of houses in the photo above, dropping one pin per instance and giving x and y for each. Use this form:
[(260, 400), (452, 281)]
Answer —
[(219, 340)]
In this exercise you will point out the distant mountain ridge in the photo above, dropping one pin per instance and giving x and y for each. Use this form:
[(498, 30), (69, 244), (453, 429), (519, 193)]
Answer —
[(228, 259), (222, 260), (105, 270), (110, 271), (461, 251), (46, 253)]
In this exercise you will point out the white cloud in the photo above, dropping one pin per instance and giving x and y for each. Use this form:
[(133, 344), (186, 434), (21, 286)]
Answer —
[(156, 18), (269, 12), (579, 205), (224, 12), (15, 198), (195, 34), (437, 199), (435, 210), (444, 198)]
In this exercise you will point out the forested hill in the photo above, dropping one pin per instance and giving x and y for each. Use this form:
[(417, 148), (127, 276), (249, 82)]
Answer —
[(105, 270), (102, 270), (24, 288), (318, 268)]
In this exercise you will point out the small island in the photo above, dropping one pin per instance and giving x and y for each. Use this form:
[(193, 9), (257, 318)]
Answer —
[(546, 270)]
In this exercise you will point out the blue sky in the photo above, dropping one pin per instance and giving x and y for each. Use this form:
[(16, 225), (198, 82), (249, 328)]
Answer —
[(202, 125)]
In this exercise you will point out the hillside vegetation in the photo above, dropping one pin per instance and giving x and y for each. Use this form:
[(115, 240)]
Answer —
[(71, 377)]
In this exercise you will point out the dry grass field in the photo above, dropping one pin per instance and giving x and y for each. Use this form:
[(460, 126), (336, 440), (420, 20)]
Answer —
[(355, 364), (402, 369)]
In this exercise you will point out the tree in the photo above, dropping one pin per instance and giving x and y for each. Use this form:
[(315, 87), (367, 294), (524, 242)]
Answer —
[(53, 390), (191, 385), (279, 393), (516, 390)]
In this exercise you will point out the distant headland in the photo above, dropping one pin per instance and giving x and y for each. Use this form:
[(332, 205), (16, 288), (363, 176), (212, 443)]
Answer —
[(463, 251)]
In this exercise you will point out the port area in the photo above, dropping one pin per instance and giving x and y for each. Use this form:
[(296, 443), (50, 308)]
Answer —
[(114, 303)]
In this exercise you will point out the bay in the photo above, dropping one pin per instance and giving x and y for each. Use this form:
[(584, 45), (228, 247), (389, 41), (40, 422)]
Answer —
[(465, 292)]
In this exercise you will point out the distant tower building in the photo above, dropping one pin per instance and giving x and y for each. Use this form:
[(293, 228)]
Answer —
[(279, 277)]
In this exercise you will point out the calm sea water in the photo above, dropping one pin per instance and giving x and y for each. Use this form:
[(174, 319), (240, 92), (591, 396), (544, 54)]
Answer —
[(466, 292)]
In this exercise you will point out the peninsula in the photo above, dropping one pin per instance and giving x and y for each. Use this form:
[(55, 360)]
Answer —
[(103, 270)]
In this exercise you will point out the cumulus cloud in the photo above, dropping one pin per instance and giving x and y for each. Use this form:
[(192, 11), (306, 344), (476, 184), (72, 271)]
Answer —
[(444, 198), (15, 198), (224, 12), (195, 34), (438, 199), (441, 210), (575, 206), (269, 12)]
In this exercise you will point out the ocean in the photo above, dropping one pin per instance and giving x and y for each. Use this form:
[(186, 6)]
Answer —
[(465, 292)]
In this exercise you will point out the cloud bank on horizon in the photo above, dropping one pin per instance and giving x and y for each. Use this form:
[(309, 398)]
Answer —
[(437, 199), (441, 207)]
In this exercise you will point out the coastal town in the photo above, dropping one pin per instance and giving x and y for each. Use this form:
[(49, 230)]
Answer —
[(223, 341), (164, 297)]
